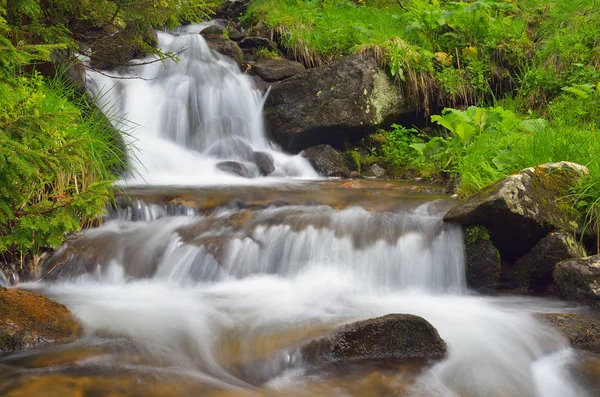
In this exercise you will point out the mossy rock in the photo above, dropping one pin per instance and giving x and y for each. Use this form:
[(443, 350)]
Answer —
[(582, 331), (352, 160), (119, 49), (579, 279), (534, 270), (28, 319), (520, 209), (483, 263)]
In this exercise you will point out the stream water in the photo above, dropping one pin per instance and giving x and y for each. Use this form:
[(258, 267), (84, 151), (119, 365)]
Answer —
[(192, 290)]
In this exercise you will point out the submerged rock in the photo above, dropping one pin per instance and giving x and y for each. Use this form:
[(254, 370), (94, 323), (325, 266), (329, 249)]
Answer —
[(28, 319), (233, 167), (342, 101), (231, 148), (277, 69), (534, 270), (327, 161), (394, 336), (482, 259), (583, 331), (579, 279), (522, 208), (265, 162)]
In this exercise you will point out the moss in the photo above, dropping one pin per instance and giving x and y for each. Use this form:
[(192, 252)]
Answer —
[(352, 160), (476, 233)]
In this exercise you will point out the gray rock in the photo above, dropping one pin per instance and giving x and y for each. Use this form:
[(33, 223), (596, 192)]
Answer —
[(343, 101), (534, 270), (277, 69), (265, 162), (212, 30), (256, 42), (579, 279), (222, 45), (236, 35), (374, 170), (582, 331), (233, 167), (520, 209), (231, 148), (232, 9), (327, 161), (483, 264)]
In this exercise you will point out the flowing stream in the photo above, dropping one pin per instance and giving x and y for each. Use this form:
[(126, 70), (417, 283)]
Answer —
[(205, 290)]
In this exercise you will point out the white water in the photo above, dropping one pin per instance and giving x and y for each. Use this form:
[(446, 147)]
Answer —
[(314, 265), (174, 113)]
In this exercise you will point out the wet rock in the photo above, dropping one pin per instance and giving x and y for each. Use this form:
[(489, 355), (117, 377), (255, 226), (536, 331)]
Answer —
[(236, 35), (579, 279), (260, 84), (233, 167), (327, 161), (212, 30), (374, 170), (534, 270), (118, 49), (351, 185), (222, 45), (343, 101), (522, 208), (583, 331), (231, 148), (482, 259), (277, 69), (394, 336), (256, 42), (28, 319), (265, 162)]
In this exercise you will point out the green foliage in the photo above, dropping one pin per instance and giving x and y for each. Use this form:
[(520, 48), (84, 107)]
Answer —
[(397, 151), (352, 160), (266, 53), (476, 233)]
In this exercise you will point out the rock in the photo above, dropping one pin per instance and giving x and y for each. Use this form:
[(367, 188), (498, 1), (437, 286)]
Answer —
[(277, 69), (579, 279), (222, 45), (343, 101), (260, 84), (374, 170), (231, 148), (233, 167), (236, 35), (534, 270), (351, 185), (394, 336), (522, 208), (28, 319), (482, 259), (327, 161), (232, 9), (265, 162), (256, 42), (212, 30), (120, 48), (354, 174), (583, 331)]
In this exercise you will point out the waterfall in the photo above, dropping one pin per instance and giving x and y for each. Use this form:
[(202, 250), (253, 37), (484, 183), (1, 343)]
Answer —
[(182, 118)]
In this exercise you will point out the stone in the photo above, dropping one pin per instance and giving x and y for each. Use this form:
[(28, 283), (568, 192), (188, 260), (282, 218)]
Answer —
[(224, 46), (351, 185), (579, 279), (277, 69), (483, 265), (231, 148), (119, 49), (236, 35), (582, 331), (326, 161), (212, 30), (256, 42), (265, 162), (394, 336), (354, 174), (28, 319), (233, 167), (534, 270), (341, 102), (374, 170), (232, 9), (520, 209)]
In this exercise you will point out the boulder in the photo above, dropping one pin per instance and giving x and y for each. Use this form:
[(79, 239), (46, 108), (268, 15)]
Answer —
[(233, 167), (232, 9), (256, 42), (28, 319), (520, 209), (222, 45), (326, 161), (534, 270), (231, 148), (374, 170), (333, 104), (394, 336), (277, 69), (579, 279), (265, 162), (212, 30), (582, 331), (236, 35), (119, 49), (483, 264)]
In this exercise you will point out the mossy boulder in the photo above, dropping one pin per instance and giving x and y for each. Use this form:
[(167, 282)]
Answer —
[(223, 45), (394, 336), (534, 270), (28, 319), (582, 331), (520, 209), (579, 279), (483, 265), (277, 69), (119, 49), (327, 161), (333, 104)]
